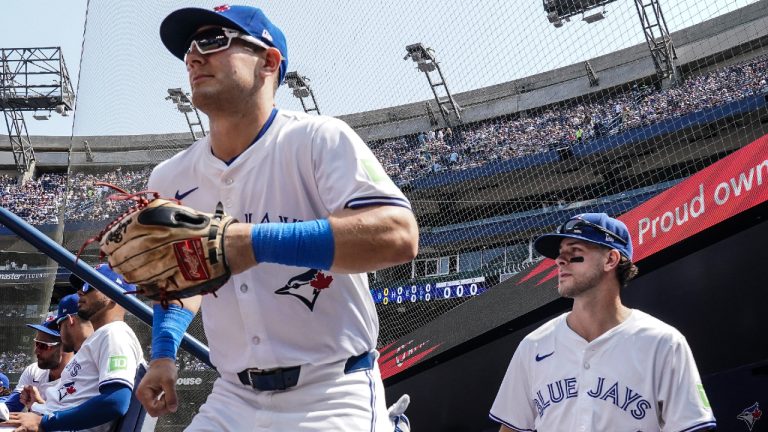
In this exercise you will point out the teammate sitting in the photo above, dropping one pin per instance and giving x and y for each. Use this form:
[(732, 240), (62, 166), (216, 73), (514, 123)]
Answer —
[(95, 387), (602, 366), (5, 386), (51, 358), (293, 337)]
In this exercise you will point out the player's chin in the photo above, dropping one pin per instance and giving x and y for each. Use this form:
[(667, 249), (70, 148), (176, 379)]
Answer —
[(206, 99)]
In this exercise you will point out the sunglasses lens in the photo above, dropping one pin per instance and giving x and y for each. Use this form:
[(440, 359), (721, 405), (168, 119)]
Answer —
[(44, 346), (570, 226), (210, 41)]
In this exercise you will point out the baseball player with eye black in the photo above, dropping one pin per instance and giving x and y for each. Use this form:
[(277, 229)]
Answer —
[(602, 366), (304, 212)]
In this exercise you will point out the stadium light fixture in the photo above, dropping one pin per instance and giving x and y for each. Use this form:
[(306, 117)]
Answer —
[(184, 104), (422, 56), (43, 116), (302, 90), (426, 62), (589, 19)]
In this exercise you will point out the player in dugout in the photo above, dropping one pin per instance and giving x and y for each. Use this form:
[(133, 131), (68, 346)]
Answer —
[(602, 366), (96, 385), (51, 357)]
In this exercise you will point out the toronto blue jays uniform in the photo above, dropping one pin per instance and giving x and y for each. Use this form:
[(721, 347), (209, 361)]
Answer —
[(319, 326), (638, 376)]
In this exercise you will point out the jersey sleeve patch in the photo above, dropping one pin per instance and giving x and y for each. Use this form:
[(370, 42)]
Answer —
[(374, 170), (117, 363)]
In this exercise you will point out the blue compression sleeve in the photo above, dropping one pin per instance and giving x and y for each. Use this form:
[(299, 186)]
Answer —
[(111, 403), (300, 244), (168, 327), (13, 402)]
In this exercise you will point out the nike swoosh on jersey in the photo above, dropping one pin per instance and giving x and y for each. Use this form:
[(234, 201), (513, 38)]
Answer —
[(542, 357), (181, 196)]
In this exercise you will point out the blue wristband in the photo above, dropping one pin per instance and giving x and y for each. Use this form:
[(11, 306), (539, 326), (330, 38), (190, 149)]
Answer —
[(168, 327), (301, 244)]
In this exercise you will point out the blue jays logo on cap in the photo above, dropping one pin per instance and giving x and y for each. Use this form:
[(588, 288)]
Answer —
[(178, 27), (48, 326), (597, 228)]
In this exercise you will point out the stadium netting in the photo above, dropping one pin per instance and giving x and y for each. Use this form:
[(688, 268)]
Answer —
[(550, 121)]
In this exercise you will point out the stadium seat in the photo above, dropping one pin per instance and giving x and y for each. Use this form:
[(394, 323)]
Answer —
[(133, 420)]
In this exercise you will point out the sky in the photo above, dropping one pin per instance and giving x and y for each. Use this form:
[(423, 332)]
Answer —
[(352, 51)]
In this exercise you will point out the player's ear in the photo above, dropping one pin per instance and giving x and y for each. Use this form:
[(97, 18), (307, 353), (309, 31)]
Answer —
[(612, 259), (271, 66)]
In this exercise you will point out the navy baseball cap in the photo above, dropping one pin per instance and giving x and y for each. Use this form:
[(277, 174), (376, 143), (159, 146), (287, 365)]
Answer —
[(49, 325), (597, 228), (67, 307), (105, 270), (177, 28), (4, 381)]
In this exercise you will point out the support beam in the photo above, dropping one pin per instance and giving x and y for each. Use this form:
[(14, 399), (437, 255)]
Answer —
[(31, 79), (658, 38)]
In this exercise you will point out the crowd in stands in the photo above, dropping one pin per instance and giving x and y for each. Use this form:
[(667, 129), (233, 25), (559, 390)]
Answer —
[(15, 362), (411, 157), (37, 201), (186, 361), (88, 201), (408, 158)]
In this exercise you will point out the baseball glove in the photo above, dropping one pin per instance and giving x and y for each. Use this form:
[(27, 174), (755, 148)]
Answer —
[(168, 250)]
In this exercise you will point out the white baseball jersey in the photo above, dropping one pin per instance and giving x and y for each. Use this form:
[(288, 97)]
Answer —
[(638, 376), (36, 377), (301, 168), (110, 355)]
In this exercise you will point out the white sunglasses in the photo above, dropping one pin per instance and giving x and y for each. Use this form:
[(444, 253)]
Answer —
[(218, 39)]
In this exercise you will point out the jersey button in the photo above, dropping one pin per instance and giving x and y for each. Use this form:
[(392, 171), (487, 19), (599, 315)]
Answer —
[(243, 288), (586, 365), (229, 181), (256, 340)]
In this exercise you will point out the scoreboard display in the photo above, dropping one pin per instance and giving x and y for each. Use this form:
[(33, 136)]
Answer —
[(430, 291)]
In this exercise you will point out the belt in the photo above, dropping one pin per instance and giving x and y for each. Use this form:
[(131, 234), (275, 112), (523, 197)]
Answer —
[(285, 378)]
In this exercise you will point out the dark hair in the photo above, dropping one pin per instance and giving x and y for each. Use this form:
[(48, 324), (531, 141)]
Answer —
[(625, 271)]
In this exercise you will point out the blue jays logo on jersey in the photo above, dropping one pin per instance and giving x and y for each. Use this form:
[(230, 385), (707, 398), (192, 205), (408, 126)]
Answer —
[(751, 415), (67, 389), (307, 286)]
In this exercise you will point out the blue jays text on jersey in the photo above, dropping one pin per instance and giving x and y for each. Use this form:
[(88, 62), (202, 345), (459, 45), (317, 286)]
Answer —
[(621, 397)]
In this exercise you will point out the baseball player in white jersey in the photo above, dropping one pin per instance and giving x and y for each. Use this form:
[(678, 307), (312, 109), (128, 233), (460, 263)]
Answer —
[(95, 386), (603, 366), (51, 359), (293, 332)]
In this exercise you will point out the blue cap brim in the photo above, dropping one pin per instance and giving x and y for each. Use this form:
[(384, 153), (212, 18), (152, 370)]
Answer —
[(549, 244), (44, 329), (178, 27)]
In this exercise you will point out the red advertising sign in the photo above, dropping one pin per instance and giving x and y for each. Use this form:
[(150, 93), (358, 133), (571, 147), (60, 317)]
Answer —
[(728, 187)]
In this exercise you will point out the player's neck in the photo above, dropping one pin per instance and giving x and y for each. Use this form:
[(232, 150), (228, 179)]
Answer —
[(231, 133), (596, 314)]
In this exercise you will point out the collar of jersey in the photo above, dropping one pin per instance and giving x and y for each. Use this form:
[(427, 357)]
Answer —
[(261, 133)]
